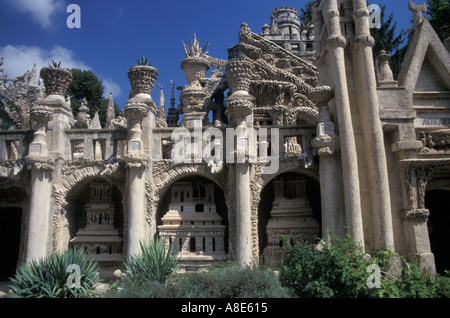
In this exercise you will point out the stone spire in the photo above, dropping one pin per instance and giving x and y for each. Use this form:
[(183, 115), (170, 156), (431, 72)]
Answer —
[(161, 114), (162, 106), (110, 115), (172, 116)]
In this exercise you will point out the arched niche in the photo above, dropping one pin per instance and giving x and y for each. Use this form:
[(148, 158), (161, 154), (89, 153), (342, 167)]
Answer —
[(190, 189), (291, 197)]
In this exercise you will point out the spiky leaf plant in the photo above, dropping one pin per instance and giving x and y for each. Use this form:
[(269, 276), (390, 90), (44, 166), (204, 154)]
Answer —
[(194, 50), (156, 262), (144, 61), (50, 277), (55, 64)]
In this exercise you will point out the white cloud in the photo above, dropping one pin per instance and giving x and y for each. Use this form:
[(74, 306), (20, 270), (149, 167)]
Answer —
[(109, 85), (41, 11), (19, 59)]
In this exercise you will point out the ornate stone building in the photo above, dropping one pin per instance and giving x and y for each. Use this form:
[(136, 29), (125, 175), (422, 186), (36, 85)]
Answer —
[(354, 152)]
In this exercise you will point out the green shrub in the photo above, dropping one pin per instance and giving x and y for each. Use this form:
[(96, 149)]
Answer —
[(218, 282), (232, 282), (337, 270), (154, 263), (49, 277), (414, 282)]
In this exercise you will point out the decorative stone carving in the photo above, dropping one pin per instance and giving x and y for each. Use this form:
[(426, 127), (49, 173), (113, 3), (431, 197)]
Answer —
[(385, 76), (135, 112), (82, 116), (326, 142), (437, 140), (99, 237), (38, 148), (291, 218), (56, 80), (239, 73), (23, 93), (292, 148), (142, 79), (194, 68), (192, 224), (193, 98)]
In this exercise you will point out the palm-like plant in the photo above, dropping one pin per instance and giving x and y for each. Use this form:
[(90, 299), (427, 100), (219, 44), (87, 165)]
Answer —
[(48, 277)]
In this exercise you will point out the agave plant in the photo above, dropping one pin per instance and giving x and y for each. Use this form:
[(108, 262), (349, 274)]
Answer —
[(194, 50), (55, 64), (156, 262), (144, 61), (49, 277)]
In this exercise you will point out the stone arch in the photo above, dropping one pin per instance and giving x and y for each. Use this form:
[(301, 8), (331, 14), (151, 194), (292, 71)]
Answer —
[(74, 177), (260, 181), (192, 174), (267, 198)]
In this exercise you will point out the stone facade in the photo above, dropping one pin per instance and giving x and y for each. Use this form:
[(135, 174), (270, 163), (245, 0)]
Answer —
[(355, 153)]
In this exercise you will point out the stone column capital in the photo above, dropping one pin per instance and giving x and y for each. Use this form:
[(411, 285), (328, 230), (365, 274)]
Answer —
[(416, 215), (321, 95), (135, 110)]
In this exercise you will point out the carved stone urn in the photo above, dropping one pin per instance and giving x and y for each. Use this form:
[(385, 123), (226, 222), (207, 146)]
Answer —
[(194, 68), (192, 99), (142, 79), (56, 80), (239, 73)]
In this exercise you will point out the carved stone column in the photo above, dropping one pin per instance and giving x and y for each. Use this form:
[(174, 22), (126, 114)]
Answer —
[(335, 44), (326, 144), (41, 169), (415, 174), (239, 111), (136, 161), (56, 82)]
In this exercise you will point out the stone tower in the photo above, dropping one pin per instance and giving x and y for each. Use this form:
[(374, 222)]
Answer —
[(287, 31)]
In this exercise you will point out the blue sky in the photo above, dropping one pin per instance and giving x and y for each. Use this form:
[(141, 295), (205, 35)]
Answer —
[(115, 33)]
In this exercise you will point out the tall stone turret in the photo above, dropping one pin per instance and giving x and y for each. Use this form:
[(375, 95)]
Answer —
[(287, 31)]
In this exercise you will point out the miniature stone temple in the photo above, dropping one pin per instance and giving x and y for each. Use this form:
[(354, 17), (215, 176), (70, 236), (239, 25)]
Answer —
[(291, 218), (100, 238), (374, 150), (192, 224)]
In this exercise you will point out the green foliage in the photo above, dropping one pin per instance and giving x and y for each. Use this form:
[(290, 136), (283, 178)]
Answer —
[(144, 61), (438, 16), (305, 16), (337, 270), (217, 282), (387, 39), (47, 278), (85, 84), (232, 282), (154, 263), (414, 282)]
